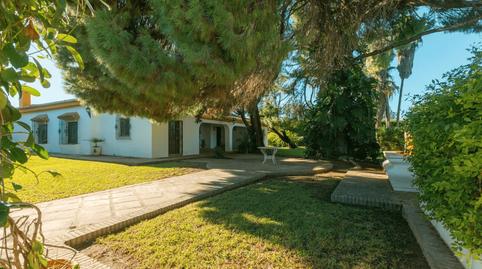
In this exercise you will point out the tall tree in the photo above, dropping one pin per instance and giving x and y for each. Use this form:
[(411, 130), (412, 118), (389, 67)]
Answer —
[(165, 59), (379, 67), (342, 122), (405, 56)]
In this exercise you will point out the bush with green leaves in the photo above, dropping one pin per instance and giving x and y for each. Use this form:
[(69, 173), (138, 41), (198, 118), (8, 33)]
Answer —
[(29, 30), (391, 138), (275, 140), (446, 128), (342, 123)]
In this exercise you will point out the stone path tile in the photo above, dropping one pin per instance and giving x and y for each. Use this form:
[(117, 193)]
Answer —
[(368, 188), (75, 220)]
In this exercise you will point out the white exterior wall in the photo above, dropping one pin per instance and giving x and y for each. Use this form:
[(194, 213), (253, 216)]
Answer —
[(190, 136), (160, 143), (98, 126), (139, 143), (147, 139), (53, 145)]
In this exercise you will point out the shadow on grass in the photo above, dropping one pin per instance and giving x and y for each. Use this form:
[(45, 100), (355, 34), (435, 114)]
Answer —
[(296, 214)]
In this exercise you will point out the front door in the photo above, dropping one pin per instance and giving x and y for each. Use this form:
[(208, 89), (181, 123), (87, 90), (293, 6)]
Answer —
[(219, 136), (175, 138)]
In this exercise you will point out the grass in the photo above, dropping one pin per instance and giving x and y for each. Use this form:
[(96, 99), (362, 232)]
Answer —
[(298, 152), (79, 177), (278, 223)]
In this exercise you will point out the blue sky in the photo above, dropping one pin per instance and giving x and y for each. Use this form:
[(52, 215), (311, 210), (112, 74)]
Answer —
[(438, 54)]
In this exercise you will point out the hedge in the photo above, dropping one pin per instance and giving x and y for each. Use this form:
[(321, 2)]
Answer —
[(391, 138), (446, 128)]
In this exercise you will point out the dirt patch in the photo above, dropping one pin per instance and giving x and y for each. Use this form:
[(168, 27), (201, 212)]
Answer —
[(109, 257)]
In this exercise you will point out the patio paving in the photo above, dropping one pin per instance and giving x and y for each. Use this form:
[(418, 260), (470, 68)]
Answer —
[(78, 219)]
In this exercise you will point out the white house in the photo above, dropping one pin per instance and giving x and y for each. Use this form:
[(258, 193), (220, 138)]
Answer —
[(68, 127)]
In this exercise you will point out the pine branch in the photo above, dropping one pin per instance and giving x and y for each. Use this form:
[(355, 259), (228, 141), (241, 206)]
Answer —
[(417, 36)]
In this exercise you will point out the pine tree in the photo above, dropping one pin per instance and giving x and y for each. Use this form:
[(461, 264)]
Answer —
[(165, 59)]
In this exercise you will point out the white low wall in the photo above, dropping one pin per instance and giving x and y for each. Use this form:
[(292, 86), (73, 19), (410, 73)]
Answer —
[(465, 259), (398, 169)]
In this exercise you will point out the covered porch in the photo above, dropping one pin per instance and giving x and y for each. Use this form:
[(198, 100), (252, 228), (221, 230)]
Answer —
[(228, 136)]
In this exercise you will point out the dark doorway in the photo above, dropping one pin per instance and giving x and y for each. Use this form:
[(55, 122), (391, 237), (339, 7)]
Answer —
[(175, 138), (219, 136)]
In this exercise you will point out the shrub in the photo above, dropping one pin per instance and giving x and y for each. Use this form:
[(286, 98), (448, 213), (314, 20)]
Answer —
[(446, 129), (274, 140), (391, 138), (342, 122)]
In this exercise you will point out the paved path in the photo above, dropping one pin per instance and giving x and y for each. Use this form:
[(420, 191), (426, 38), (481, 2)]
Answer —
[(371, 188), (78, 219)]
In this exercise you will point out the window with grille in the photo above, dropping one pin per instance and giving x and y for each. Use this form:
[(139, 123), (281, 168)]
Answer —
[(41, 132), (69, 132), (123, 128)]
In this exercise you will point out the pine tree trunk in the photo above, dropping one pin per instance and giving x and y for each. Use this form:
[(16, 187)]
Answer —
[(256, 124), (400, 101)]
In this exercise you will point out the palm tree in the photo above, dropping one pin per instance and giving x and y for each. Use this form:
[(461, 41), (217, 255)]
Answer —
[(405, 56), (379, 67)]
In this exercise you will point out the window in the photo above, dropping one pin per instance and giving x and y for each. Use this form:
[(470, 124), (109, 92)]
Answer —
[(40, 128), (123, 128), (69, 132), (40, 131)]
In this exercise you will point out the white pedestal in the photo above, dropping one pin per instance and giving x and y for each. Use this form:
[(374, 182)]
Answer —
[(397, 169)]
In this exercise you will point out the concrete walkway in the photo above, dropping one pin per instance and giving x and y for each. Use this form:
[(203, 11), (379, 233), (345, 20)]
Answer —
[(76, 220), (371, 188)]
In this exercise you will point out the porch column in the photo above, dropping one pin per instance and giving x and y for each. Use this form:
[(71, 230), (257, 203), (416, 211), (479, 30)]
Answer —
[(229, 137)]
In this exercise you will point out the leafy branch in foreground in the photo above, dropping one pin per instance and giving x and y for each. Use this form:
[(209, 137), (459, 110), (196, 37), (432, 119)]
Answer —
[(29, 32)]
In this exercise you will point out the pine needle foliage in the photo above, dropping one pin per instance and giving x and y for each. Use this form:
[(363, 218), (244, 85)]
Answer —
[(164, 59)]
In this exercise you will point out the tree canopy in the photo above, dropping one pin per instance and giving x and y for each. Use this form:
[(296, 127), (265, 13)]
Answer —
[(166, 59), (161, 59)]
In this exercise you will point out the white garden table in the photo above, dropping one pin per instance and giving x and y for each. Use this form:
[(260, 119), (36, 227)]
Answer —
[(269, 153)]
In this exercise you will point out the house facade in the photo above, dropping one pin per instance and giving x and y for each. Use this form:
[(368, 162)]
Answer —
[(67, 127)]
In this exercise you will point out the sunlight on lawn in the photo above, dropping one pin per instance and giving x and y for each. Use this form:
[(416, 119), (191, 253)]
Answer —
[(79, 177), (298, 152), (292, 226)]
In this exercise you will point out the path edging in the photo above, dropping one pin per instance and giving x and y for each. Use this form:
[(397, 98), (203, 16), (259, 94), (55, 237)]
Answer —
[(434, 249), (76, 237)]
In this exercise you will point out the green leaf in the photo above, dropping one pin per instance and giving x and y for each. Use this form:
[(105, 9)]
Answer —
[(6, 170), (16, 187), (19, 155), (37, 247), (11, 197), (18, 59), (4, 211), (28, 78), (45, 84), (30, 90), (24, 125), (41, 151), (39, 68), (30, 142), (76, 56), (9, 74), (3, 100), (54, 173), (66, 38)]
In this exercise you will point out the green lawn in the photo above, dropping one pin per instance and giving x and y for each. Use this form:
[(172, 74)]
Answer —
[(278, 223), (79, 177), (298, 152)]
